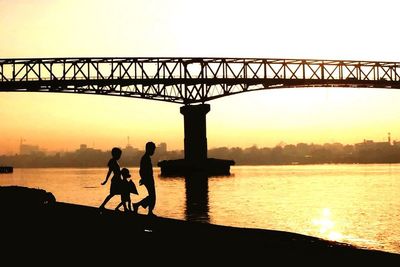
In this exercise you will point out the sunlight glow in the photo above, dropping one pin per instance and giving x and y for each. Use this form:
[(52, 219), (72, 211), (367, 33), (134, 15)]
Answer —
[(326, 226)]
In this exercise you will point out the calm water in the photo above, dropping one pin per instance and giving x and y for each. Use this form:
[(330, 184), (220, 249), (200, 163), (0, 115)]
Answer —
[(357, 204)]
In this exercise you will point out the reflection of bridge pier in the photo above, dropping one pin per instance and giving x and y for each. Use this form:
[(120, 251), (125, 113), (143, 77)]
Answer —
[(195, 146), (197, 198)]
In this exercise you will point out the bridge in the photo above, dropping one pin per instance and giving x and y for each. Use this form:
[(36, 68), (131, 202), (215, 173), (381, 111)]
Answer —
[(189, 81)]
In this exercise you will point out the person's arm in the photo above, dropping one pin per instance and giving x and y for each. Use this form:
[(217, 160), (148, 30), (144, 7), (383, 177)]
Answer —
[(108, 175)]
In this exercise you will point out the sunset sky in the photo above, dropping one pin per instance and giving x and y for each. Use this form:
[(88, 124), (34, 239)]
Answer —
[(340, 29)]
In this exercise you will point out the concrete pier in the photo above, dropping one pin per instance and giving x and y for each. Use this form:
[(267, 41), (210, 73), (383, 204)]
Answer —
[(195, 146), (194, 121)]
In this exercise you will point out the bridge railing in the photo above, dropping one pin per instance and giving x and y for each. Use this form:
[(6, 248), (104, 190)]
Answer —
[(189, 80)]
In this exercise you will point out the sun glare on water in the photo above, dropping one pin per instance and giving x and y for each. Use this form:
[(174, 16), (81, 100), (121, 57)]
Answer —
[(326, 226)]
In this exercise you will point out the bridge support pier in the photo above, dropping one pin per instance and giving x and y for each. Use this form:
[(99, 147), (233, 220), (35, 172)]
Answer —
[(195, 147), (194, 121)]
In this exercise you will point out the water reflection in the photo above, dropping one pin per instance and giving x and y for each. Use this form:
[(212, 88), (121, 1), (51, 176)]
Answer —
[(326, 226), (197, 207)]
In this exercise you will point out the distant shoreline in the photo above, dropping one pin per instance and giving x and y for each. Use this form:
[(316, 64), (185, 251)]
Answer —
[(236, 165), (367, 152)]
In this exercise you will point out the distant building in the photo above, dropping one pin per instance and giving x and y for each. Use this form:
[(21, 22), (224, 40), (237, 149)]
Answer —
[(25, 149), (83, 147), (130, 151), (370, 144), (162, 147)]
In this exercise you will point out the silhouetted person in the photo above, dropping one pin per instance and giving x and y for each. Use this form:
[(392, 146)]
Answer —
[(113, 167), (127, 187), (147, 179)]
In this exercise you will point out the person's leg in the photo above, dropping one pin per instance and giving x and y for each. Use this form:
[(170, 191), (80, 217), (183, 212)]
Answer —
[(135, 207), (106, 200), (125, 207), (145, 202), (119, 205), (152, 198)]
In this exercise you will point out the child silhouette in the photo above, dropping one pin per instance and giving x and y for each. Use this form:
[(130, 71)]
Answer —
[(127, 187)]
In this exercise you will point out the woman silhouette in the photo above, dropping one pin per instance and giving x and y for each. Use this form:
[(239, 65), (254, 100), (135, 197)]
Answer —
[(113, 167)]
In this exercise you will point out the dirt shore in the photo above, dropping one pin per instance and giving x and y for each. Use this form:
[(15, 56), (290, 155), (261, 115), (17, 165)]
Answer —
[(36, 227)]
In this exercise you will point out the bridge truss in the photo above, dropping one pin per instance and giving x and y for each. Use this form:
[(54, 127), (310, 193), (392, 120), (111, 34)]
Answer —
[(189, 80)]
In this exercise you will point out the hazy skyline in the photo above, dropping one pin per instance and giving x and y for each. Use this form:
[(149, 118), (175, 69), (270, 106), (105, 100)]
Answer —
[(357, 30), (128, 144)]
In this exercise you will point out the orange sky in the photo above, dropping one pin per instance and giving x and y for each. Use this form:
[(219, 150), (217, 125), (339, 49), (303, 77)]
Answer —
[(341, 29)]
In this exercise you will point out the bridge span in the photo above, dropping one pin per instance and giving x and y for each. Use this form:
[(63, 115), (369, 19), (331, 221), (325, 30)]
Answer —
[(189, 81)]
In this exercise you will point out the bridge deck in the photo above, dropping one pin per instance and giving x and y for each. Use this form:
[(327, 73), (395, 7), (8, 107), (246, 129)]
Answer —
[(189, 80)]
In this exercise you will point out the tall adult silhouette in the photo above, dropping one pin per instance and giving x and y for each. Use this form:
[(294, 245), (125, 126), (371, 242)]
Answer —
[(113, 167), (147, 179)]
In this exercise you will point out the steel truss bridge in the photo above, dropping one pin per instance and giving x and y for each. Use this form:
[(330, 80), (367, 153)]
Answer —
[(188, 80)]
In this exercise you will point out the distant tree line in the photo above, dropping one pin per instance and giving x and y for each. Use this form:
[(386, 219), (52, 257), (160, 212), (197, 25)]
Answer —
[(302, 153), (311, 154)]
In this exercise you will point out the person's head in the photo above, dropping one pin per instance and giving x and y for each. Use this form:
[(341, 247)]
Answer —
[(125, 173), (150, 148), (116, 153)]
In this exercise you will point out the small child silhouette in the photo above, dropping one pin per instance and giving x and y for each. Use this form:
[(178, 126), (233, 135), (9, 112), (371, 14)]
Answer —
[(127, 187)]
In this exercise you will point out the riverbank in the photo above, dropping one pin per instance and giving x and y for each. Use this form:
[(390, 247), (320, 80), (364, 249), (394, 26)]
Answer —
[(35, 224)]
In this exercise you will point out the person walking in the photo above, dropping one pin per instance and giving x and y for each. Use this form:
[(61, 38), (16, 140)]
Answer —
[(113, 167), (147, 179)]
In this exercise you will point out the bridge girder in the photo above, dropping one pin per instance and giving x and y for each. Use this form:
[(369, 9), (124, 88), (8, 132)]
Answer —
[(189, 80)]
